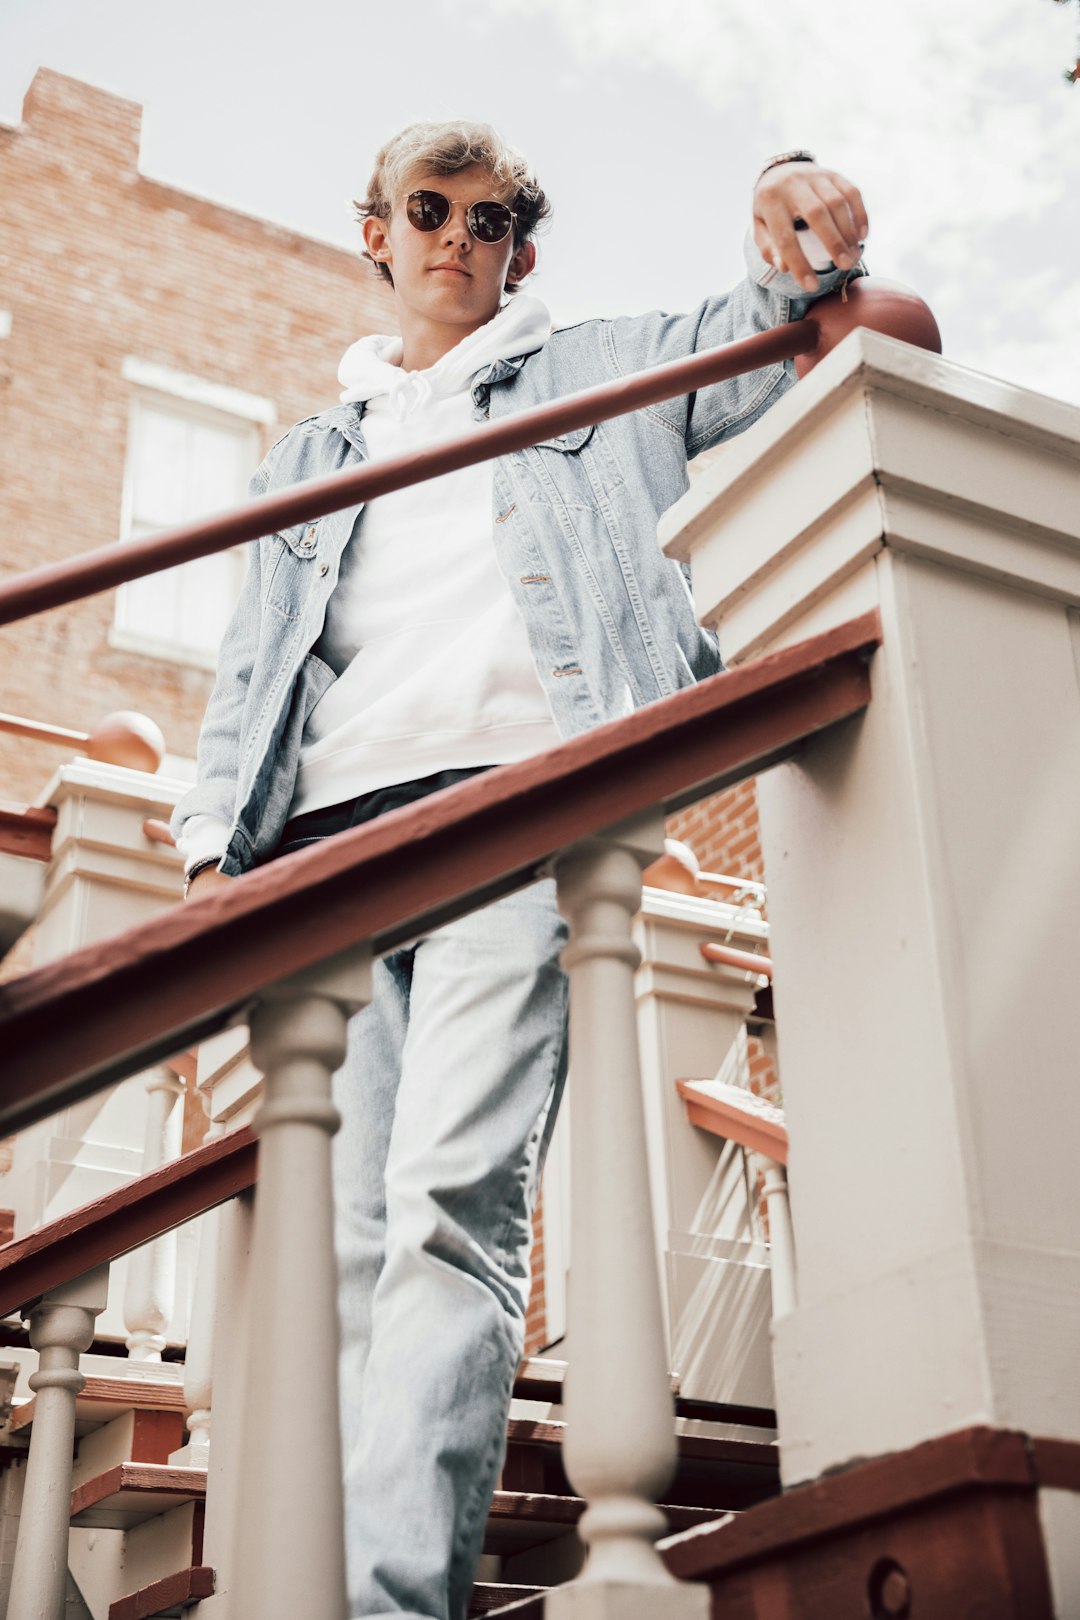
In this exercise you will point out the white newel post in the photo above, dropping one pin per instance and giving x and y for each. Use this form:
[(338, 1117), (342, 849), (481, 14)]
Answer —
[(290, 1529), (620, 1439), (924, 885), (150, 1291), (61, 1327)]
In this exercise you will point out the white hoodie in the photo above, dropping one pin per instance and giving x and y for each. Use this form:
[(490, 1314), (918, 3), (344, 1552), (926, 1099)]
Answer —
[(433, 663)]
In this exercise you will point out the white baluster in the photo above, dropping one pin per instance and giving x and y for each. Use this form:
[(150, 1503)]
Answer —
[(61, 1327), (290, 1534), (620, 1438), (781, 1234), (198, 1356), (150, 1291)]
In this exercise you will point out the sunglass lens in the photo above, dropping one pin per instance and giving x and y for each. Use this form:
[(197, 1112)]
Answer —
[(427, 210), (490, 221)]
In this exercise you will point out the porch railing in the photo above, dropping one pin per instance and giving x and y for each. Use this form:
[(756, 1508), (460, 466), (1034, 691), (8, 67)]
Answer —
[(290, 950)]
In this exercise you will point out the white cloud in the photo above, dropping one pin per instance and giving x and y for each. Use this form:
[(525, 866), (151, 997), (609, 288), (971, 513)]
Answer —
[(953, 120)]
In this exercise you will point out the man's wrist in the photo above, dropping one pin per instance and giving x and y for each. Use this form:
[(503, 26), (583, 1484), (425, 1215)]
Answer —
[(800, 155), (196, 867)]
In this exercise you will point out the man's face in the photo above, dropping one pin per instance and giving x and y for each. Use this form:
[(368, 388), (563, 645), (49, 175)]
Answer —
[(446, 276)]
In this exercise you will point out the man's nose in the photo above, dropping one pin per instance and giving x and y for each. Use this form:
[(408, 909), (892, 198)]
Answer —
[(456, 230)]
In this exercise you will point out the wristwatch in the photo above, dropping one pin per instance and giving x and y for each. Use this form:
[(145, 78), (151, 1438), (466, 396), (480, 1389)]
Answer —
[(799, 156), (199, 866)]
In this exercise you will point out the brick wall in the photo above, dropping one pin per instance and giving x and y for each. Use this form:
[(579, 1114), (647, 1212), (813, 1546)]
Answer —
[(97, 263)]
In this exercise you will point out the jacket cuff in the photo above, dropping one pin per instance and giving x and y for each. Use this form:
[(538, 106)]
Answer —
[(203, 839), (783, 284)]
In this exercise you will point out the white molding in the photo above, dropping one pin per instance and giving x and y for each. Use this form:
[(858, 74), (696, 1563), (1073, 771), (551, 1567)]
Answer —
[(166, 652), (198, 390)]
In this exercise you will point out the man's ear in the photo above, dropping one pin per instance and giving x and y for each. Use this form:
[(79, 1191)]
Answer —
[(375, 237), (522, 262)]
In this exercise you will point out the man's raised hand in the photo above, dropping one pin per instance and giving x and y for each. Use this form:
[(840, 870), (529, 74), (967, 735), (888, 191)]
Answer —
[(830, 204)]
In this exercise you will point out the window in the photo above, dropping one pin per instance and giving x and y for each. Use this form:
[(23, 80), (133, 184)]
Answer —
[(186, 458)]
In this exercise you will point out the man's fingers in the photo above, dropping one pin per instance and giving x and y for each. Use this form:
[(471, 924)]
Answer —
[(778, 220), (825, 210)]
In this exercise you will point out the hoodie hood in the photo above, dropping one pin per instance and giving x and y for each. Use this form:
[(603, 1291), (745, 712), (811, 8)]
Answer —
[(372, 366)]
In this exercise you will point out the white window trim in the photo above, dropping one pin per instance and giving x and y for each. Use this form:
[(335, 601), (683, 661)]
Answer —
[(166, 652), (198, 390), (162, 649)]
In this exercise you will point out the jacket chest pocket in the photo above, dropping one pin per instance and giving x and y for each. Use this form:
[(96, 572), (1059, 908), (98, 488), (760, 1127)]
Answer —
[(579, 467), (292, 570)]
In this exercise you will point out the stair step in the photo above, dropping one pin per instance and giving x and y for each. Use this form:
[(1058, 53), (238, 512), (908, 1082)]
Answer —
[(488, 1597), (102, 1399), (518, 1520), (539, 1379), (132, 1492), (165, 1597), (713, 1471)]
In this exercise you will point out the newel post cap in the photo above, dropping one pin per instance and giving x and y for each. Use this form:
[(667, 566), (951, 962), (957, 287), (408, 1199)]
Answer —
[(884, 306)]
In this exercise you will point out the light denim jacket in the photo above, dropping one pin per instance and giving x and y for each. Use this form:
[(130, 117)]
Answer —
[(609, 618)]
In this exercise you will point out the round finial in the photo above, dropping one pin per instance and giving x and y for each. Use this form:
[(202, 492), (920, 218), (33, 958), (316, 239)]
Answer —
[(884, 306), (676, 869), (129, 739)]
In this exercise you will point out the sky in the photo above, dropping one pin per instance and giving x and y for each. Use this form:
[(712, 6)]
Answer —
[(646, 123)]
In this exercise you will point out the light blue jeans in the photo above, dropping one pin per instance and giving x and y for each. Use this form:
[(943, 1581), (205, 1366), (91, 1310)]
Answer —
[(448, 1096)]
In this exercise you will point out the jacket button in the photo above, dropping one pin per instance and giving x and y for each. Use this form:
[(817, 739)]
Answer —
[(324, 568)]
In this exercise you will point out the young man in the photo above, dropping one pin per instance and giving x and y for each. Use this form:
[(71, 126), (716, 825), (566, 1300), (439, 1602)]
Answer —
[(381, 654)]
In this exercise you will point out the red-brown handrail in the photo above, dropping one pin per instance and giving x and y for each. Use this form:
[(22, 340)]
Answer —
[(143, 1209), (76, 1025), (884, 306)]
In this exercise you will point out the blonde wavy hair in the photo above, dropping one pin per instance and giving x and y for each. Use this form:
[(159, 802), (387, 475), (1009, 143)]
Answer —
[(447, 148)]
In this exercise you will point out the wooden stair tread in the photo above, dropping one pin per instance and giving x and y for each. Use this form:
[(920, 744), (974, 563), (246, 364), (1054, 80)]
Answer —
[(539, 1379), (488, 1597), (165, 1597), (552, 1431), (102, 1399), (130, 1492), (520, 1519)]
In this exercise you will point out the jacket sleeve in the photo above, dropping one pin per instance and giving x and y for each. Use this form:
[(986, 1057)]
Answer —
[(715, 413), (203, 818)]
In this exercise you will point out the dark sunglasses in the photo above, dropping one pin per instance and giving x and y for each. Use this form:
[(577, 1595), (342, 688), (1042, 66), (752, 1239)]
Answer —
[(488, 221)]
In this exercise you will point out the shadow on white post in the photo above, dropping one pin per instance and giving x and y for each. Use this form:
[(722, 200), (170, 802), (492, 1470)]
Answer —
[(150, 1291), (620, 1448), (290, 1556), (61, 1327)]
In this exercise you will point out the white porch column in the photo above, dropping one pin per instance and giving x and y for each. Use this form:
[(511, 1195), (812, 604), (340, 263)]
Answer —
[(290, 1536), (150, 1291), (61, 1327), (620, 1437), (924, 888)]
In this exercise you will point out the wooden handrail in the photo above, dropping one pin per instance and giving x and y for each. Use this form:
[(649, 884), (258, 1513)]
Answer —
[(27, 830), (731, 956), (123, 1220), (100, 570), (76, 1025), (885, 307)]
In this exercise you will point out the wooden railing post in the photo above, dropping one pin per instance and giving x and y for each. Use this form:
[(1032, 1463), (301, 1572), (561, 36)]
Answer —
[(620, 1438), (290, 1557), (61, 1327)]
